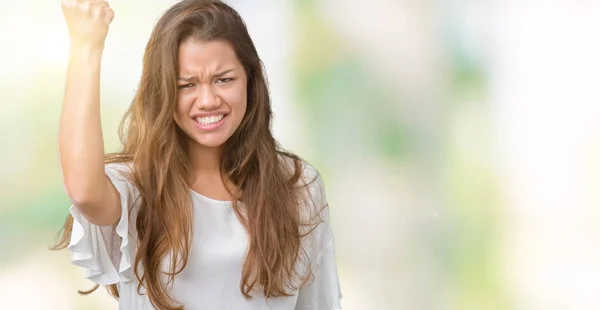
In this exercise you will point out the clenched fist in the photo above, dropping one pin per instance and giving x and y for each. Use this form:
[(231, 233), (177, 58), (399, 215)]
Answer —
[(88, 21)]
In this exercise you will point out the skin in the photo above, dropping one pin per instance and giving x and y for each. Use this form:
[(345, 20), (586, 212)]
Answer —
[(81, 145), (211, 81)]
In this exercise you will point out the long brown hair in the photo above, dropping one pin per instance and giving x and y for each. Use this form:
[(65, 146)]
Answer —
[(268, 189)]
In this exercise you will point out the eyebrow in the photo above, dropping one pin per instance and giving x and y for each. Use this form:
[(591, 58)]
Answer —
[(193, 78)]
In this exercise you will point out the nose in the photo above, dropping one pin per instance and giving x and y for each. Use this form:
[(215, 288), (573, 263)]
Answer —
[(206, 98)]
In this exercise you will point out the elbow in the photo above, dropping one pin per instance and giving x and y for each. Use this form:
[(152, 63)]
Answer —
[(92, 206), (80, 194), (96, 213)]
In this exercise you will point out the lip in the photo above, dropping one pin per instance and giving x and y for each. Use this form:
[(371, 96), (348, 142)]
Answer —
[(210, 127), (194, 116)]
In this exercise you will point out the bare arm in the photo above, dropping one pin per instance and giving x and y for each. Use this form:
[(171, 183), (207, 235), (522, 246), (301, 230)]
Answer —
[(81, 145)]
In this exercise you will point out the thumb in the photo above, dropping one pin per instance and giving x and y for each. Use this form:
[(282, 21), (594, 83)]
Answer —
[(109, 15)]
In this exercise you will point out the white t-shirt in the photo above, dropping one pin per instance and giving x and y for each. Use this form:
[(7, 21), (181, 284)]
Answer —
[(212, 276)]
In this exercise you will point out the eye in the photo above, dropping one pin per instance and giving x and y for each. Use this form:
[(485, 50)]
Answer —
[(224, 80), (186, 85)]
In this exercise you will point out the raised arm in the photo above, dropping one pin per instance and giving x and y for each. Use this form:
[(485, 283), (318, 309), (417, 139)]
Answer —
[(81, 145)]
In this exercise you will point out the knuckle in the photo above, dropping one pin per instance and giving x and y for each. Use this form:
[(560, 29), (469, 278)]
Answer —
[(97, 14), (68, 3), (85, 7)]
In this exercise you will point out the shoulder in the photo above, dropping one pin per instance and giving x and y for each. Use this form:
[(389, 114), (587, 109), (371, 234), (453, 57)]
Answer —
[(313, 206), (309, 178), (315, 224), (310, 174), (313, 183)]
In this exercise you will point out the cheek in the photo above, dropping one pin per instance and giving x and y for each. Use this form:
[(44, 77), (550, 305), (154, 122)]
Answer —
[(182, 108), (242, 102), (184, 102), (244, 105), (232, 96), (241, 99)]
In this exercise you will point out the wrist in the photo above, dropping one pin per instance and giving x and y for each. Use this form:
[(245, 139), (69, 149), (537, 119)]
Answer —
[(86, 50)]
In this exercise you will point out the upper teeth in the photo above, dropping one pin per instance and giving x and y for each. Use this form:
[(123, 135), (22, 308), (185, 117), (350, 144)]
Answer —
[(209, 119)]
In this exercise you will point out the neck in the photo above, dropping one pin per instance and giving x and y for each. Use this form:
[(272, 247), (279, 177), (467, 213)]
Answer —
[(206, 177), (204, 160)]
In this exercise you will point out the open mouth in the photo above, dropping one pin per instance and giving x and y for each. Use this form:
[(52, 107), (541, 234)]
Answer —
[(210, 122)]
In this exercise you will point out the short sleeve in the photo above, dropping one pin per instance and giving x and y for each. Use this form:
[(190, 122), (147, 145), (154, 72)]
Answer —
[(322, 292), (104, 251)]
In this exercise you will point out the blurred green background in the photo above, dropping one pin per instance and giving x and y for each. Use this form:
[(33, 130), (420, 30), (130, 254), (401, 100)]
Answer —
[(458, 141)]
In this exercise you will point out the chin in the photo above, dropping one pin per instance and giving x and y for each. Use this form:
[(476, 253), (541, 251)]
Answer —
[(213, 142)]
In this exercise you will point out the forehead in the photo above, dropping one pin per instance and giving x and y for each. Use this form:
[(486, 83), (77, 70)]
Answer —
[(195, 55)]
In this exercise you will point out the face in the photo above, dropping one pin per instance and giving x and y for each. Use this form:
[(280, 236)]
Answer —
[(212, 97)]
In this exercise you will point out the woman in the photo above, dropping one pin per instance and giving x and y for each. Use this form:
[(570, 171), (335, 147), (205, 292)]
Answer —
[(201, 209)]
